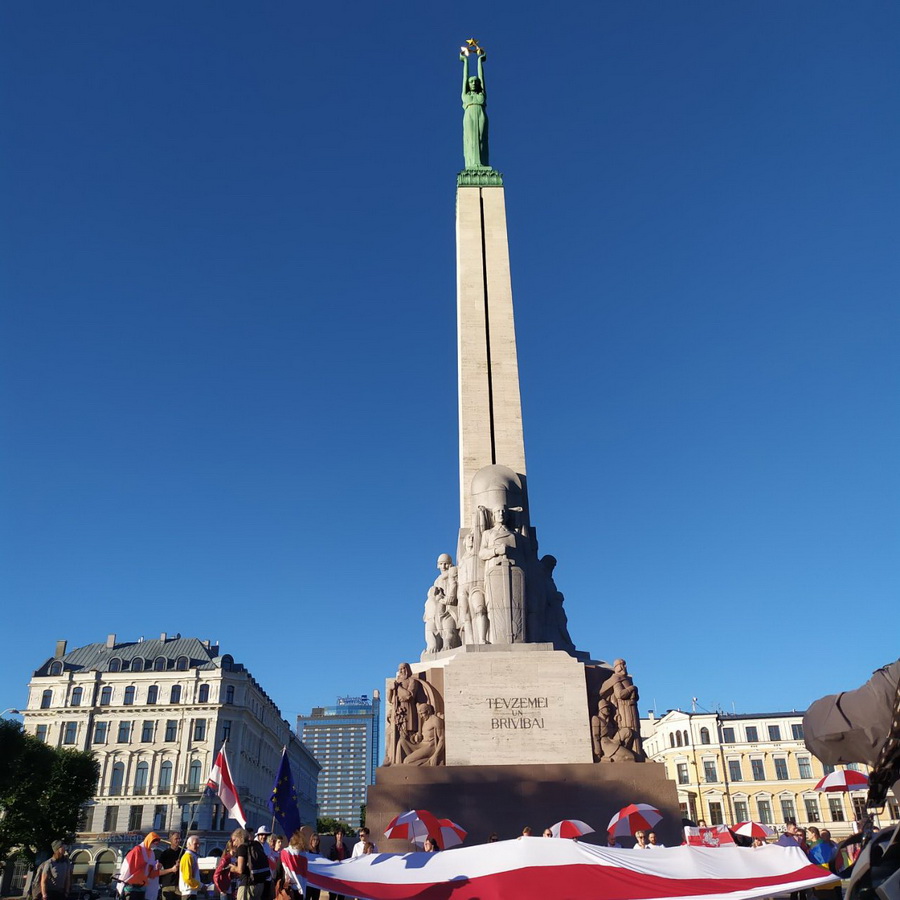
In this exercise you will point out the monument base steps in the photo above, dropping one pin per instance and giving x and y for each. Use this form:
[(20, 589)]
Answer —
[(504, 799)]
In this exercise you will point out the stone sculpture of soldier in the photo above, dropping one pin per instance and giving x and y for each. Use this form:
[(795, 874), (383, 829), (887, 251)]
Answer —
[(504, 579), (472, 606)]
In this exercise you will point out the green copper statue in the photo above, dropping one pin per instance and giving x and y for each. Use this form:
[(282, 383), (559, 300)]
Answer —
[(474, 101)]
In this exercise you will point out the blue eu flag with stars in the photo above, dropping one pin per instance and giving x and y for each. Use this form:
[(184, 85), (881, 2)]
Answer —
[(283, 801)]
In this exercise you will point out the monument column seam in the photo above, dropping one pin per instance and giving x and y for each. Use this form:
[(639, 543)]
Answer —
[(487, 332)]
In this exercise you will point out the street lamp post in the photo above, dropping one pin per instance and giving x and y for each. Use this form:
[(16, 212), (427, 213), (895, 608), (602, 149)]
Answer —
[(15, 712)]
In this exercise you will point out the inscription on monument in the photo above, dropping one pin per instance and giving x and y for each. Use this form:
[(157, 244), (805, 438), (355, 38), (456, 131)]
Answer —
[(517, 712)]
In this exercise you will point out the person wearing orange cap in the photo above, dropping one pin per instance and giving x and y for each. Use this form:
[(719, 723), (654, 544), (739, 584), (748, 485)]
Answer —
[(139, 869)]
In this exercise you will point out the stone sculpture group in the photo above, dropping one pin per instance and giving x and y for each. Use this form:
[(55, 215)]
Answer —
[(500, 592)]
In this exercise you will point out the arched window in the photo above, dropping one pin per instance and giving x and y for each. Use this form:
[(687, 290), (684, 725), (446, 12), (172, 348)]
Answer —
[(56, 668), (165, 777), (76, 696), (194, 775), (182, 664), (106, 866), (159, 664), (175, 694), (685, 739), (671, 739), (129, 696), (140, 778), (704, 735), (115, 664), (118, 778), (678, 738), (227, 662), (152, 694), (229, 694), (81, 862), (106, 696), (137, 665), (46, 699), (203, 696)]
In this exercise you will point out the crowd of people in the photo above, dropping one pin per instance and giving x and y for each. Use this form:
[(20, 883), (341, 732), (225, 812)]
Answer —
[(267, 866)]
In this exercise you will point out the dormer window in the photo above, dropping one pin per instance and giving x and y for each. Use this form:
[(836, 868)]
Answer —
[(182, 664), (159, 664), (56, 668), (115, 664)]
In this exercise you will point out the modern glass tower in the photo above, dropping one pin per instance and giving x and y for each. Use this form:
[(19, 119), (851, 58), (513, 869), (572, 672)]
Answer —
[(345, 739)]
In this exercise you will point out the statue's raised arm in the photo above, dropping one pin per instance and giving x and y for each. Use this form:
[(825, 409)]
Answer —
[(474, 101)]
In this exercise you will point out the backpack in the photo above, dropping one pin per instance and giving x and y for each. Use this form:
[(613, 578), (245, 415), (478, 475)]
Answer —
[(222, 876), (259, 863), (34, 891)]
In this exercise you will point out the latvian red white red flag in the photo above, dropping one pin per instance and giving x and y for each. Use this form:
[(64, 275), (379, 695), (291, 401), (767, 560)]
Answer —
[(221, 782), (532, 868)]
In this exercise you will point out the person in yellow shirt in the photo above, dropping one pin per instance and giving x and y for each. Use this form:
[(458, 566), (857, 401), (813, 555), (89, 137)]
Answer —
[(189, 868)]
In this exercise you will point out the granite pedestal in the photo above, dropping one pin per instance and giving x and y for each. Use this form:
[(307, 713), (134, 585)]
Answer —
[(504, 799)]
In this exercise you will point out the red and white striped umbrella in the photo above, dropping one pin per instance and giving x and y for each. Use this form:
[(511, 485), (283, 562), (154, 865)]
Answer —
[(450, 835), (570, 828), (843, 780), (752, 830), (414, 826), (632, 818)]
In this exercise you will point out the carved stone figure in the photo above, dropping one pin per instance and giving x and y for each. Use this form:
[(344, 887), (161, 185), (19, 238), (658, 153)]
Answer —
[(406, 698), (611, 743), (472, 606), (426, 747), (556, 622), (431, 618), (440, 617), (475, 120), (620, 690), (504, 580), (402, 719)]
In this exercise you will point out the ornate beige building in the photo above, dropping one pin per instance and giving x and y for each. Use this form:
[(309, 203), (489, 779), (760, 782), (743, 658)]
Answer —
[(155, 713), (729, 768)]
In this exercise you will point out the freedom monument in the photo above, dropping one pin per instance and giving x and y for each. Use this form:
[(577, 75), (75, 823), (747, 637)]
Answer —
[(503, 722)]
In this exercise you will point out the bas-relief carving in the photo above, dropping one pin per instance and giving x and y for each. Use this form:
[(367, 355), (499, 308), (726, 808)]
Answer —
[(616, 729), (415, 726)]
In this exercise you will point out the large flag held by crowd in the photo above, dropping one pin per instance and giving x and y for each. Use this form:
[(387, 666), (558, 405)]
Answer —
[(283, 801), (221, 783), (532, 868)]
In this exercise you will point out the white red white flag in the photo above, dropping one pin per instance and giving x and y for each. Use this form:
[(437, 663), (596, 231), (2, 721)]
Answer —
[(708, 836), (221, 782), (533, 868), (296, 867)]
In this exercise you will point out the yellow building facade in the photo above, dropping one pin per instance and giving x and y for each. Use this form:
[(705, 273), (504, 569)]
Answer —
[(731, 768)]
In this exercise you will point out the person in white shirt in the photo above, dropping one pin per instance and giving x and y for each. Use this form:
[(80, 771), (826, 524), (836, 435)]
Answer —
[(654, 844), (641, 839), (360, 846)]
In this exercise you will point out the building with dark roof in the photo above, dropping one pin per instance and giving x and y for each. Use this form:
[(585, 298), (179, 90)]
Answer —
[(155, 713)]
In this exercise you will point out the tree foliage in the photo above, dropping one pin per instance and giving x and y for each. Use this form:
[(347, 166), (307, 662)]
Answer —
[(327, 825), (42, 790)]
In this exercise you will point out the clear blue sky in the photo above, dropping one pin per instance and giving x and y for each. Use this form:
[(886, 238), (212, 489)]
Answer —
[(228, 331)]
